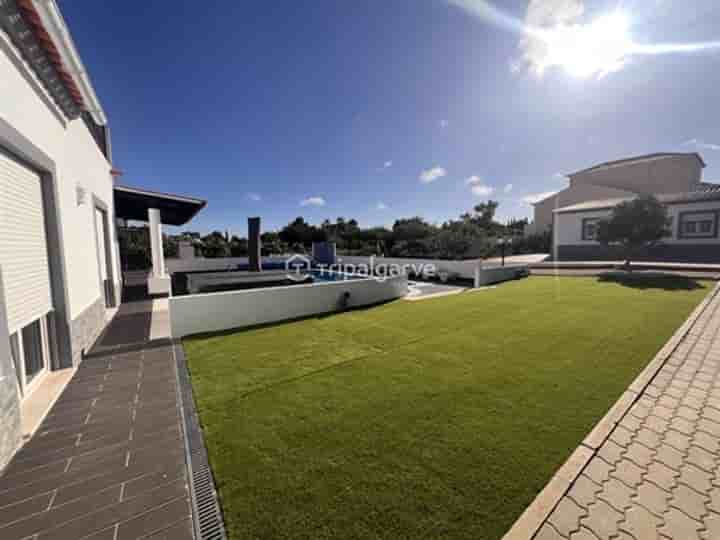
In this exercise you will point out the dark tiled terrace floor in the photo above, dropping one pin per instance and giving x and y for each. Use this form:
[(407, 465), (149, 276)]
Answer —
[(108, 462)]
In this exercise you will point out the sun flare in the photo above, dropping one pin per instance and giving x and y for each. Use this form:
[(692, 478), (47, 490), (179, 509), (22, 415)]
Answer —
[(586, 50)]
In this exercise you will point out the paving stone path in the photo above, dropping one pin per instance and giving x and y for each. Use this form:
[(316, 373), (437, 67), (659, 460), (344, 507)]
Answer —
[(657, 476), (108, 462)]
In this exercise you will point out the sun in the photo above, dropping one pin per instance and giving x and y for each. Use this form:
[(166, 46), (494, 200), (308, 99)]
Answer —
[(586, 50)]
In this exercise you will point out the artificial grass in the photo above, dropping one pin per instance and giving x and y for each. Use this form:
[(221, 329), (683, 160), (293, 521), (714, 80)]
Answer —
[(434, 419)]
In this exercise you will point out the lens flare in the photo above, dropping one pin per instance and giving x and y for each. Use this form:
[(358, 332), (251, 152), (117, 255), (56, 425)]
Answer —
[(595, 49)]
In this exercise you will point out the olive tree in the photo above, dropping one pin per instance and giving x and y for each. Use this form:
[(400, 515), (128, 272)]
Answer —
[(635, 224)]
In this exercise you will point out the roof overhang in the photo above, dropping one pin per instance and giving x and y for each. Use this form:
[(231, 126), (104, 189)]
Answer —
[(54, 24), (640, 159), (690, 197), (133, 204)]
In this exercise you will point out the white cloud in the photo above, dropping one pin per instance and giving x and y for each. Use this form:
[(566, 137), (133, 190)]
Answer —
[(478, 188), (381, 206), (387, 164), (482, 191), (700, 145), (559, 176), (537, 197), (430, 175), (473, 181), (508, 188), (313, 201), (254, 197), (444, 123)]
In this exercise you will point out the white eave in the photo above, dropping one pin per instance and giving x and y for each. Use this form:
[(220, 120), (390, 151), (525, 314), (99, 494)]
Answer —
[(55, 26)]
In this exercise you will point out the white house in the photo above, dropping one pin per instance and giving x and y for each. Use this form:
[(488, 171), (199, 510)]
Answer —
[(674, 178), (59, 259)]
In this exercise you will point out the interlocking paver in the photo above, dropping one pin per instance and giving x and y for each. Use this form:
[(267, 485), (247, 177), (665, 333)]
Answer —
[(641, 524), (680, 526), (657, 475), (616, 494), (603, 520), (698, 479), (653, 498), (669, 456), (689, 501), (585, 491), (662, 476), (567, 516), (628, 472)]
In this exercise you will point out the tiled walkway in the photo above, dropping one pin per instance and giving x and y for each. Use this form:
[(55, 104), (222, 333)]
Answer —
[(658, 473), (108, 462)]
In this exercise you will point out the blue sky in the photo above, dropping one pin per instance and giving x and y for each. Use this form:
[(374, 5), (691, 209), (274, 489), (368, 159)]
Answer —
[(383, 108)]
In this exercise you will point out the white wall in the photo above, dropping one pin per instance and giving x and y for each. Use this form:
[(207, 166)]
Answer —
[(576, 193), (464, 269), (199, 264), (236, 309), (671, 174), (569, 225), (77, 159), (675, 174)]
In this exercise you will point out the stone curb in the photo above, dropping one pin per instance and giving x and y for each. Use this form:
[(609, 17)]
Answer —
[(535, 515)]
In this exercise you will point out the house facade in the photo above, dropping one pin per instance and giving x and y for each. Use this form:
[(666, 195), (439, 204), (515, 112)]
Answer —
[(59, 259), (674, 178)]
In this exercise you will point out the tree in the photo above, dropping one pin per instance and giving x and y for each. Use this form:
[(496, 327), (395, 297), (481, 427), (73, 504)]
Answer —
[(635, 224), (215, 245), (412, 229), (238, 247)]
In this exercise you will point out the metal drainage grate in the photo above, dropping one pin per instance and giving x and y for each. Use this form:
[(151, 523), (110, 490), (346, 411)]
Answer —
[(207, 514)]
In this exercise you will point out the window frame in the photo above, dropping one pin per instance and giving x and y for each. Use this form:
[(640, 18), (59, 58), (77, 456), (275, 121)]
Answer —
[(17, 346), (698, 234), (585, 222)]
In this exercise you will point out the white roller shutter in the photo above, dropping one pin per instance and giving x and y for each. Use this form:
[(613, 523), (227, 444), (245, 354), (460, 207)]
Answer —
[(23, 249)]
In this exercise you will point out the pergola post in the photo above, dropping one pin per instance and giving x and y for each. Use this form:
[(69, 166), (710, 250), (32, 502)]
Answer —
[(156, 242), (159, 281)]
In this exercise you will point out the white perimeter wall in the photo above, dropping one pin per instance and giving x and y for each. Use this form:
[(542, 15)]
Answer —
[(464, 269), (200, 264), (236, 309), (568, 226), (78, 160)]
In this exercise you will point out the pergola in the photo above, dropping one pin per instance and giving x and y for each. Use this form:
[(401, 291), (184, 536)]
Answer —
[(156, 209)]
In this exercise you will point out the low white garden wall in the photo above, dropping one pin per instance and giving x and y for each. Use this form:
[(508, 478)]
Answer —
[(200, 264), (498, 274), (462, 269), (213, 312)]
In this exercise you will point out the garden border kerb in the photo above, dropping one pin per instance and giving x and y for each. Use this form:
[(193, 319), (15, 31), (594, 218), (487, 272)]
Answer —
[(535, 515), (207, 514)]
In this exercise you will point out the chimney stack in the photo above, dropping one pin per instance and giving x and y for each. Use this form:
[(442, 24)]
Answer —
[(254, 260)]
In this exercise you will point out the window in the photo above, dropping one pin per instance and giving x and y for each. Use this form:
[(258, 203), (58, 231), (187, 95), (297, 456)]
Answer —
[(33, 350), (698, 225), (30, 351), (589, 228), (670, 227)]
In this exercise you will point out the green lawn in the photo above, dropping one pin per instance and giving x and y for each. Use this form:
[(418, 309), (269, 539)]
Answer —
[(434, 419)]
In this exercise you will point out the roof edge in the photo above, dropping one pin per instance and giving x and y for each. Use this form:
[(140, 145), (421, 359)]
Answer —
[(632, 159), (171, 196), (55, 25)]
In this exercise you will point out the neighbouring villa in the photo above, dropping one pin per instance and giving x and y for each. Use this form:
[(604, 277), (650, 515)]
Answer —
[(324, 395), (675, 179)]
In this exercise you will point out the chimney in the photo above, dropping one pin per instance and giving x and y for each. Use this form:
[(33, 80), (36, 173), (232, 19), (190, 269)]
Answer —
[(254, 261)]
